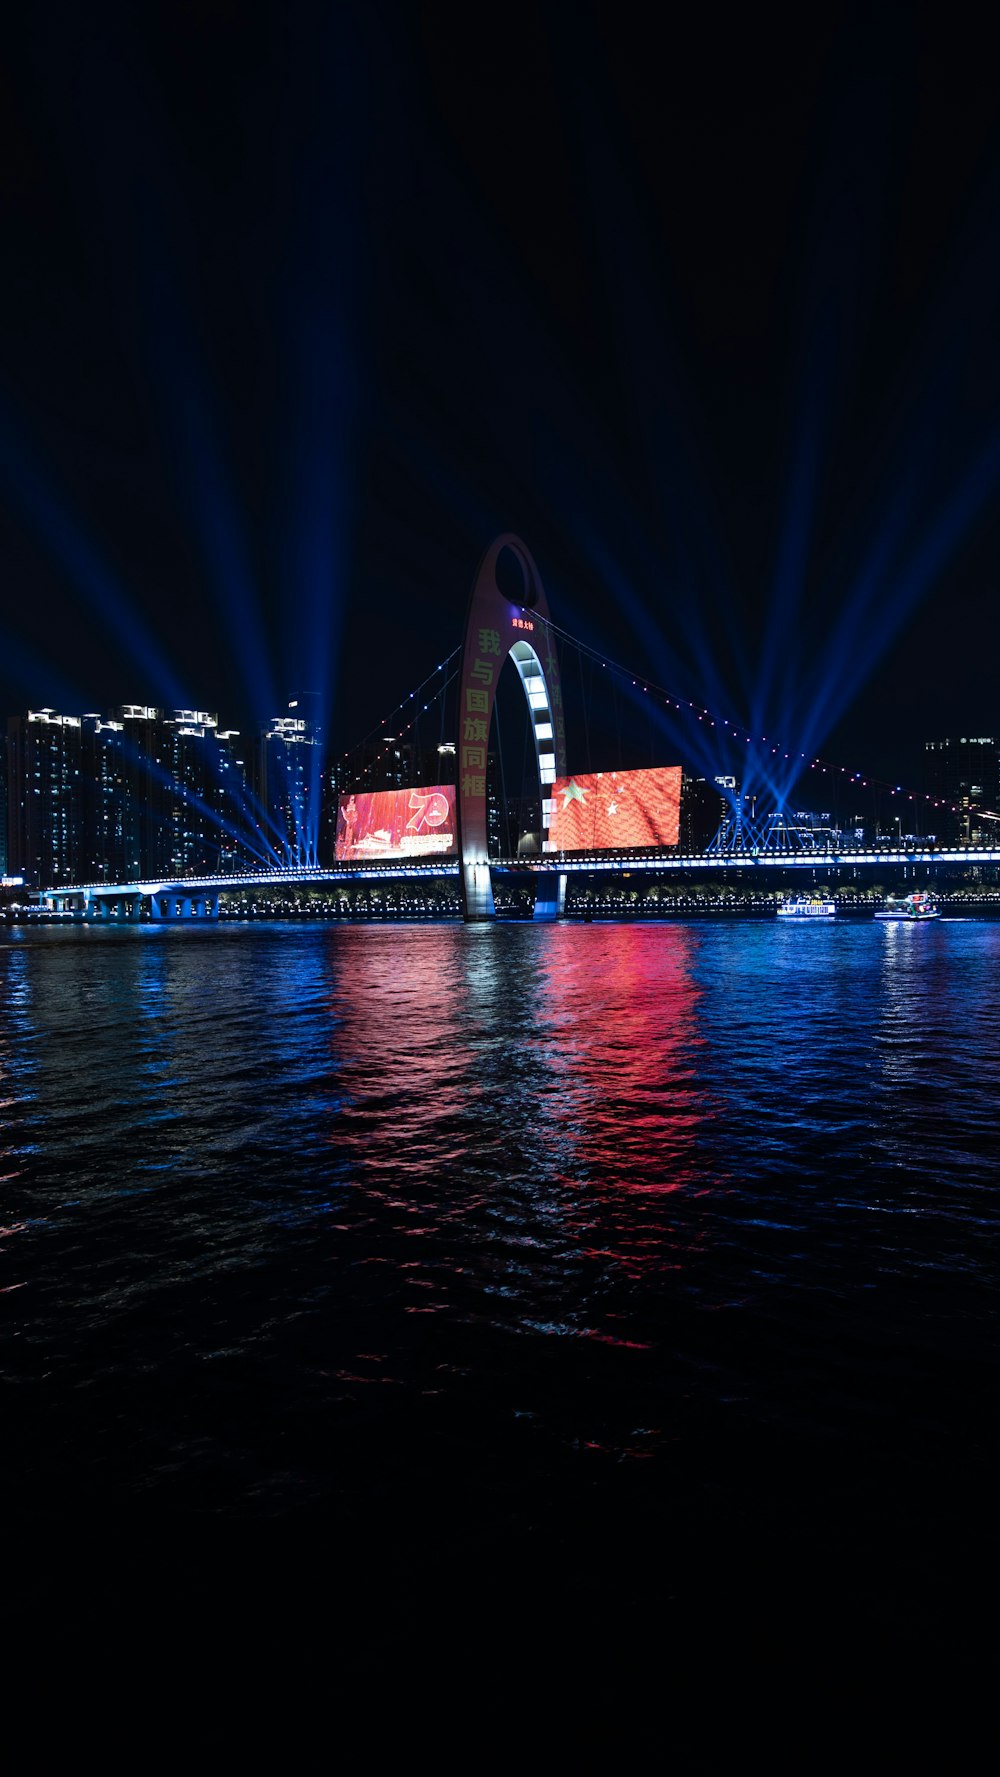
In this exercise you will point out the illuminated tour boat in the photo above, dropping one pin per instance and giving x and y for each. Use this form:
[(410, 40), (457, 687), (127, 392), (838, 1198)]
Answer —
[(920, 905), (806, 907)]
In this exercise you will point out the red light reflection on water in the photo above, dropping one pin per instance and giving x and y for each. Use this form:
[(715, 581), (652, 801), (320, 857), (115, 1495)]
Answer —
[(571, 1046), (619, 1027), (526, 1096), (398, 1031)]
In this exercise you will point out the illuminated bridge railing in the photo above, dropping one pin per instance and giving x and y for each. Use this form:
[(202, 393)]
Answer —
[(568, 863), (713, 861)]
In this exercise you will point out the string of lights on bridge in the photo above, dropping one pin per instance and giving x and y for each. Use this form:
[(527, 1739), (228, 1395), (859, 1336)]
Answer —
[(403, 707), (734, 730)]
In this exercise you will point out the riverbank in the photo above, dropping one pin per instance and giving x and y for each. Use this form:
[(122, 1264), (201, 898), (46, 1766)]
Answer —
[(613, 911)]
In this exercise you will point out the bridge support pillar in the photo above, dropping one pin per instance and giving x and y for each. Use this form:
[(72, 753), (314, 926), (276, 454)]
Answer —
[(168, 905), (478, 885), (550, 895), (70, 901)]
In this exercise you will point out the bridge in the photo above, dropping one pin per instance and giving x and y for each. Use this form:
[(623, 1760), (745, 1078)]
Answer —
[(198, 896), (499, 628)]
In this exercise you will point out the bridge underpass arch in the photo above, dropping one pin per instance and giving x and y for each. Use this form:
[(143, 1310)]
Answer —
[(504, 622)]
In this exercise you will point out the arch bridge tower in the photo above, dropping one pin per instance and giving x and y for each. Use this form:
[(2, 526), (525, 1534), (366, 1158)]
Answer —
[(501, 624)]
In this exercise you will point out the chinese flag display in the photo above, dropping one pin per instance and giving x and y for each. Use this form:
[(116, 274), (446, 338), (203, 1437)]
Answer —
[(613, 810)]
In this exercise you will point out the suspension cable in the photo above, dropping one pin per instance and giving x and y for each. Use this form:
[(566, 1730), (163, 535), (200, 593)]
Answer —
[(403, 704)]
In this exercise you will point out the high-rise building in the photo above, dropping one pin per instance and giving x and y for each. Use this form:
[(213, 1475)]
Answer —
[(965, 774), (140, 795), (44, 826), (497, 837), (231, 799), (105, 813), (513, 822), (289, 781), (144, 787), (390, 763), (188, 840), (524, 824), (705, 804)]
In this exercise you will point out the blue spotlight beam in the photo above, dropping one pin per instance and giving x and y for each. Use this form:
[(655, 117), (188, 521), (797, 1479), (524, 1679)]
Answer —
[(217, 522), (948, 531), (793, 551), (239, 834), (764, 755), (185, 391), (885, 594), (65, 541)]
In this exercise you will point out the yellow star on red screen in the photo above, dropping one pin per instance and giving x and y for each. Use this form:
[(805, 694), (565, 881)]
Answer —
[(572, 792)]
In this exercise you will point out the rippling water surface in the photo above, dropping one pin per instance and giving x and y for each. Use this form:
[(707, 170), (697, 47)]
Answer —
[(515, 1238)]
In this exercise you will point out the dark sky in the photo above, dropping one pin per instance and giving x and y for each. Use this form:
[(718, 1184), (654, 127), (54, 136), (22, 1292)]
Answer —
[(301, 304)]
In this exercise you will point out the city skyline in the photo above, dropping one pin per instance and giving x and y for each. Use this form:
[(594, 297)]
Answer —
[(140, 793)]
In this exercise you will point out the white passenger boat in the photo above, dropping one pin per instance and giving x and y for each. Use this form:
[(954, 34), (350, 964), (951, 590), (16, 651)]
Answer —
[(920, 905), (806, 907)]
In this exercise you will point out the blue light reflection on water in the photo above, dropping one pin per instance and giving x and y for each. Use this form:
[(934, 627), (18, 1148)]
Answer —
[(388, 1162)]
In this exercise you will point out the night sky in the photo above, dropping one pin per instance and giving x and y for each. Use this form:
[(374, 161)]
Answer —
[(302, 304)]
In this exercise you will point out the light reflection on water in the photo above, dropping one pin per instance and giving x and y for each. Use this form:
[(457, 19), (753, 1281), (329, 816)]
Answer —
[(451, 1162)]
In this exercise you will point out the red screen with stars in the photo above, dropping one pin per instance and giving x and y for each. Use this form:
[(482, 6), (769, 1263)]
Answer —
[(374, 824), (615, 810)]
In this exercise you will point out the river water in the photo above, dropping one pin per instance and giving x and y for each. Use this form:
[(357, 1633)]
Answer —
[(371, 1284)]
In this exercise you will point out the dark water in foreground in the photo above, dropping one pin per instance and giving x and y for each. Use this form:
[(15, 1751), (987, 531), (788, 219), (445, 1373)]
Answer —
[(508, 1314)]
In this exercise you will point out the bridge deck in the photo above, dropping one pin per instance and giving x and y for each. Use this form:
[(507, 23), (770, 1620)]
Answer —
[(571, 864)]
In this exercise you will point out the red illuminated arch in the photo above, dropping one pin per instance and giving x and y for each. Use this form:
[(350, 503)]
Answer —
[(497, 627)]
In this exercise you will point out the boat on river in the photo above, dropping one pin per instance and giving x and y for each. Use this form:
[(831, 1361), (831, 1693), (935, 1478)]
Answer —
[(806, 907), (920, 905)]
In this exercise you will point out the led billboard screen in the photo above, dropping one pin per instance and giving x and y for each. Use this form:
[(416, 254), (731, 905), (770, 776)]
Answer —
[(375, 824), (616, 810)]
